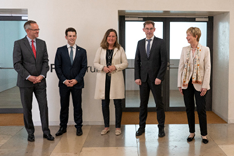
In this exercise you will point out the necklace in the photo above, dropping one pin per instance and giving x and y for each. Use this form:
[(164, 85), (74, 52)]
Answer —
[(109, 58)]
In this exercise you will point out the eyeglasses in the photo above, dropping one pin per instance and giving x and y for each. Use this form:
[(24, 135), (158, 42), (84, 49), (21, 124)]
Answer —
[(34, 29), (149, 29)]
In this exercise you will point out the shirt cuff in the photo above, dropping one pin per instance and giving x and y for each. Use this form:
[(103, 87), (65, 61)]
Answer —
[(28, 77), (43, 76)]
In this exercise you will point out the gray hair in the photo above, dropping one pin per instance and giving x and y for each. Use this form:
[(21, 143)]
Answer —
[(27, 25)]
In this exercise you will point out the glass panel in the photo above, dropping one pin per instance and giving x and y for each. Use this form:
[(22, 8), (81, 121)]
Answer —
[(132, 91), (134, 33), (9, 93), (178, 36), (177, 41)]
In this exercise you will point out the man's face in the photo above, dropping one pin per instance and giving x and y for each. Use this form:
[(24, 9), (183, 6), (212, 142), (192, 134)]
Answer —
[(71, 38), (33, 32), (149, 30)]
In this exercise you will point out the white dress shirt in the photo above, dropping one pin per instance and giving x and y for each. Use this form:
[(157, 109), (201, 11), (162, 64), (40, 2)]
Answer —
[(35, 45), (146, 43), (73, 48), (34, 42)]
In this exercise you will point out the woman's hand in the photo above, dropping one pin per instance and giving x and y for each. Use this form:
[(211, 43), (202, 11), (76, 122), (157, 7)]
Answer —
[(112, 68), (203, 91), (181, 91), (106, 69)]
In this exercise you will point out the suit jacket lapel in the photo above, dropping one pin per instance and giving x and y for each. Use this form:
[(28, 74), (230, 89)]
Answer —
[(66, 55), (143, 45), (28, 46), (115, 51), (153, 46), (38, 49), (103, 54), (76, 54)]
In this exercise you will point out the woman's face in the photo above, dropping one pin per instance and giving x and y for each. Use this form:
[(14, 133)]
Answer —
[(190, 38), (111, 39)]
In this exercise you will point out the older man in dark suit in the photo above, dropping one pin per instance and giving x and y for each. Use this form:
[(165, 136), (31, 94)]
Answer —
[(31, 63), (70, 66), (150, 68)]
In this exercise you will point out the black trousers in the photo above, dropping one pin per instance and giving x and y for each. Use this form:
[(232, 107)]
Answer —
[(64, 101), (106, 103), (26, 94), (145, 88), (190, 108)]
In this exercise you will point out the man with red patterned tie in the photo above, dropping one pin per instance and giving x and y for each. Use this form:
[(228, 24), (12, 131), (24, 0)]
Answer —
[(30, 59)]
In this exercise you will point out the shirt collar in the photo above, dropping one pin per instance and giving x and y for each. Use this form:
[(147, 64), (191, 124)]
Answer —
[(30, 40), (152, 38), (74, 46)]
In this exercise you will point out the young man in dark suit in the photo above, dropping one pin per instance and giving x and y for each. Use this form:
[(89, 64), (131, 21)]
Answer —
[(150, 68), (31, 63), (70, 67)]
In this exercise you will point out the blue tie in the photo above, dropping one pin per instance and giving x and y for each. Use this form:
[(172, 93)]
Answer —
[(71, 55), (148, 47)]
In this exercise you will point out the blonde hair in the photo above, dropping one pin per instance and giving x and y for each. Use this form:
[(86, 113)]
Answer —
[(195, 31), (104, 44)]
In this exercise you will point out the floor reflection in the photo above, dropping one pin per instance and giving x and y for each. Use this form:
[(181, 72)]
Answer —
[(92, 143)]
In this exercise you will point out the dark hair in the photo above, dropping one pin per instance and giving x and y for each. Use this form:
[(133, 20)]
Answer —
[(70, 29), (148, 22), (104, 44), (27, 25)]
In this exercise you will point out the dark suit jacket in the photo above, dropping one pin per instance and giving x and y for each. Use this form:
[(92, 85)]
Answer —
[(26, 64), (65, 70), (155, 66)]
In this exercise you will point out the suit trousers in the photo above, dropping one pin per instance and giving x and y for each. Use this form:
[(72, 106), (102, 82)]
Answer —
[(26, 94), (64, 101), (145, 88), (106, 103), (190, 108)]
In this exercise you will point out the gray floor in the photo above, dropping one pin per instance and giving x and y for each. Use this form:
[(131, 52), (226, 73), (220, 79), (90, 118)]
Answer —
[(13, 142)]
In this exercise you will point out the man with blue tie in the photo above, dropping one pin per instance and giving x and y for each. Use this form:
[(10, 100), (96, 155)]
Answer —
[(70, 67), (150, 68)]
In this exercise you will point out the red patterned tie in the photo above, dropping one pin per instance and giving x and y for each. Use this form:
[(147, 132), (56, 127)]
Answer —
[(33, 49)]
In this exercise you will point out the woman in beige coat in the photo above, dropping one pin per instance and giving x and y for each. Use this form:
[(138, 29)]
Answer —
[(194, 79), (110, 61)]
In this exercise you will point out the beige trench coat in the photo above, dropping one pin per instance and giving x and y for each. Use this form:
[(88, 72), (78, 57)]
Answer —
[(119, 60)]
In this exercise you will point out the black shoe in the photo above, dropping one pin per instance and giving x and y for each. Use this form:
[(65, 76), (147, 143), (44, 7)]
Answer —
[(205, 141), (140, 131), (48, 137), (79, 132), (61, 131), (161, 132), (31, 137), (189, 139)]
